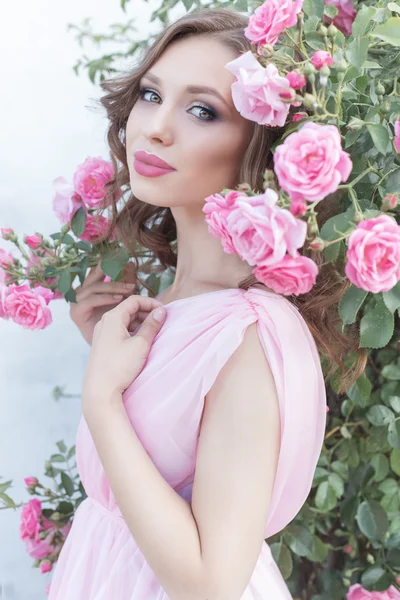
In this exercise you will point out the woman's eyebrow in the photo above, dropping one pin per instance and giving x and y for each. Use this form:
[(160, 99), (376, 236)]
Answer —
[(193, 89)]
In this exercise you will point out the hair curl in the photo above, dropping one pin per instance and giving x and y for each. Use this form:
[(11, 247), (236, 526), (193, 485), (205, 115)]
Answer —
[(139, 225)]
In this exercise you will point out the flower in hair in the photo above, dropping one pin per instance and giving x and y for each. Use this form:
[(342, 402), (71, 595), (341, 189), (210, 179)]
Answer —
[(256, 91)]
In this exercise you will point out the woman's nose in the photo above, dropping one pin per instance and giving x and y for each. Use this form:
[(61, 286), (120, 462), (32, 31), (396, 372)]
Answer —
[(160, 123)]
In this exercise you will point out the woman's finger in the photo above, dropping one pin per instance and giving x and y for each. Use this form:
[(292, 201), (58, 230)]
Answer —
[(101, 300), (95, 274), (116, 287), (127, 310), (152, 325)]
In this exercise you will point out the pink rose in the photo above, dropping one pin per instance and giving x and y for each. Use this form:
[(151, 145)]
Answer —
[(396, 140), (255, 92), (298, 208), (373, 254), (66, 202), (270, 19), (6, 232), (262, 232), (321, 58), (345, 17), (30, 514), (296, 80), (33, 241), (37, 548), (310, 164), (357, 592), (90, 179), (298, 116), (95, 226), (6, 259), (389, 202), (46, 566), (287, 95), (28, 307), (30, 482), (292, 275), (216, 209)]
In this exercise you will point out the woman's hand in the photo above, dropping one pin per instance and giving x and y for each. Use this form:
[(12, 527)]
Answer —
[(116, 358), (95, 297)]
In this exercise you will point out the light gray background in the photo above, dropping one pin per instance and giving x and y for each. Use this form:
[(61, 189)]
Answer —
[(47, 130)]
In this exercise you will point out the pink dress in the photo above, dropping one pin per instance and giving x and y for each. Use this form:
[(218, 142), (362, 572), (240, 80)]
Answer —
[(100, 559)]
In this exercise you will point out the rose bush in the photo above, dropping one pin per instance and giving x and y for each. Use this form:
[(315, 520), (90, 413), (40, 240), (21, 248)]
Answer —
[(337, 62)]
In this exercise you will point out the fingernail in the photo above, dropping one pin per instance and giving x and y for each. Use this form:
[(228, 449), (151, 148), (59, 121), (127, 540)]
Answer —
[(130, 285), (159, 314)]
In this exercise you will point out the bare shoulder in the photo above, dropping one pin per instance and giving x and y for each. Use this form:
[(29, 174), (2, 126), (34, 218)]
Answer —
[(235, 469)]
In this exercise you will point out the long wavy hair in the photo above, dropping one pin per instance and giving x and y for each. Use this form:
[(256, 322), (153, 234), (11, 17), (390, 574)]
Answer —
[(142, 226)]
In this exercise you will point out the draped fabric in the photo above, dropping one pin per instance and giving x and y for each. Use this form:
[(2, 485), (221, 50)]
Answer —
[(100, 559)]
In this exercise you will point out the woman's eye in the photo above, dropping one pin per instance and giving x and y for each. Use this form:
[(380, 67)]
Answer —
[(211, 113)]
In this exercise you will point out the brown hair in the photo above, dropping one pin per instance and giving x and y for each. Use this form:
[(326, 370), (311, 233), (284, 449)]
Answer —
[(153, 228)]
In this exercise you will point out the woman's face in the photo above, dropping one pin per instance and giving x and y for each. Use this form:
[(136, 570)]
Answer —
[(198, 133)]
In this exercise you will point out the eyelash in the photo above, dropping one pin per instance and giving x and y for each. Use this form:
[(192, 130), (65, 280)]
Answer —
[(214, 115)]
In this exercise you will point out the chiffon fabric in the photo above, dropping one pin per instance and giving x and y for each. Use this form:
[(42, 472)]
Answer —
[(100, 559)]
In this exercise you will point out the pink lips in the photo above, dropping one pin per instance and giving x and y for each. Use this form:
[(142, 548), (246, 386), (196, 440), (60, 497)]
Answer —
[(150, 165)]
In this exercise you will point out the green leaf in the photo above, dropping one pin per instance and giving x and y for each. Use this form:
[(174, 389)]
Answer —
[(362, 21), (337, 484), (67, 483), (187, 4), (360, 391), (372, 520), (61, 446), (65, 507), (78, 222), (114, 261), (392, 372), (394, 402), (394, 434), (393, 182), (375, 578), (325, 498), (376, 326), (283, 559), (392, 297), (380, 137), (389, 31), (395, 461), (370, 64), (64, 282), (351, 303), (314, 7), (330, 11), (83, 245), (57, 458), (381, 466), (299, 540), (71, 452), (320, 550), (380, 415), (357, 52), (334, 228), (70, 296)]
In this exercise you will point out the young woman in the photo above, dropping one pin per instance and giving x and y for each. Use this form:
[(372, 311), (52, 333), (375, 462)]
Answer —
[(200, 434)]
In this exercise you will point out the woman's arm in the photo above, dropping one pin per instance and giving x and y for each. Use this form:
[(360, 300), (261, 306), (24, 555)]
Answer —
[(206, 550)]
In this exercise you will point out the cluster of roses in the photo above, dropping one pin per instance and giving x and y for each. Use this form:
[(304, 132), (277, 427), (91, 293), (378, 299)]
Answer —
[(29, 306), (309, 165), (43, 538)]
